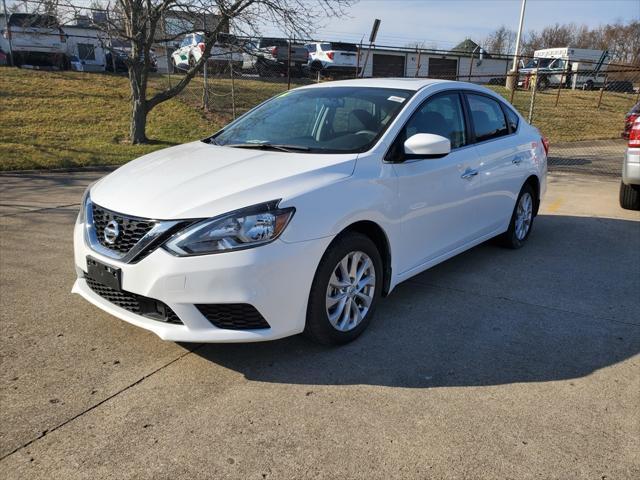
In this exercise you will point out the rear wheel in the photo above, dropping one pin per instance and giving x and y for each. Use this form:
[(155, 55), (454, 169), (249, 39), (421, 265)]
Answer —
[(629, 196), (345, 290), (521, 220)]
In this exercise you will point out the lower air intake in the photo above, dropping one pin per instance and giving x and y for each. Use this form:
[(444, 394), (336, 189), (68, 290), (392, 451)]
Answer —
[(233, 316)]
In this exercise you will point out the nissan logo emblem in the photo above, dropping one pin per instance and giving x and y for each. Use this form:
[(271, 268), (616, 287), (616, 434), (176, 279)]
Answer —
[(111, 232)]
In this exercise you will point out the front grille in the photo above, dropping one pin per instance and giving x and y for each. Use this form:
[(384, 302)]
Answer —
[(233, 316), (147, 307), (131, 229)]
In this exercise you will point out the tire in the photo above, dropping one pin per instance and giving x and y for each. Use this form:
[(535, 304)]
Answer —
[(588, 85), (192, 62), (515, 237), (346, 249), (629, 196)]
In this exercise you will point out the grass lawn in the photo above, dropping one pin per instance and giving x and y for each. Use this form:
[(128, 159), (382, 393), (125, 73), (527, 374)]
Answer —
[(576, 117), (69, 119)]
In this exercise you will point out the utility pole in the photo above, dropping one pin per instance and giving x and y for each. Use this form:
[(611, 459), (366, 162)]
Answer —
[(511, 79), (8, 27), (519, 36)]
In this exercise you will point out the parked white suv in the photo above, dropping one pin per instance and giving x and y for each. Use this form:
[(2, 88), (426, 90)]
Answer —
[(225, 52), (333, 58), (302, 213)]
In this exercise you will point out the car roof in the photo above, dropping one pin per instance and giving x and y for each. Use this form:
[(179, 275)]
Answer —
[(397, 83)]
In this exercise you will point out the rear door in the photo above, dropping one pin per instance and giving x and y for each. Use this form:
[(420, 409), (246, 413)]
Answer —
[(500, 155), (437, 195)]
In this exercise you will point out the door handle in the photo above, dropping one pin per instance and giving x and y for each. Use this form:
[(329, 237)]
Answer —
[(469, 173)]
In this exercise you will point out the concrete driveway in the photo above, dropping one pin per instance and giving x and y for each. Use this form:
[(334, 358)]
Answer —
[(495, 364)]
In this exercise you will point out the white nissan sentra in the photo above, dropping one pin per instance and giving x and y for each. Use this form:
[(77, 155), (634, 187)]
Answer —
[(302, 213)]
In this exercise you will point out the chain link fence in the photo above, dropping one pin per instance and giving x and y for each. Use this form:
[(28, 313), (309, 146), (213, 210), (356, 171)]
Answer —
[(584, 120)]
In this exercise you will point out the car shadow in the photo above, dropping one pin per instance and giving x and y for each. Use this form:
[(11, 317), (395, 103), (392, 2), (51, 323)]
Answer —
[(563, 307)]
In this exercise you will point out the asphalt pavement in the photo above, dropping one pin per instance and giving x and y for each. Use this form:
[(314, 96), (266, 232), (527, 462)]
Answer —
[(495, 364)]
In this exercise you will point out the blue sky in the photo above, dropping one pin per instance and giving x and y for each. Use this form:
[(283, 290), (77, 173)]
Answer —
[(444, 23)]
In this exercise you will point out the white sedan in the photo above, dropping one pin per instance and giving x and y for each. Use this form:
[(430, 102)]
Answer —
[(301, 214)]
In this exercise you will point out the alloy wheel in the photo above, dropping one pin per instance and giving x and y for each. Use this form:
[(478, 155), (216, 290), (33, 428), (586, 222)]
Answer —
[(524, 215), (350, 291)]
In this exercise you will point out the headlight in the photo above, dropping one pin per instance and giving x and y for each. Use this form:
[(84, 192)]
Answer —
[(245, 228), (83, 203)]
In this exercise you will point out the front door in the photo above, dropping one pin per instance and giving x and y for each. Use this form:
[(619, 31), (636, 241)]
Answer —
[(437, 195)]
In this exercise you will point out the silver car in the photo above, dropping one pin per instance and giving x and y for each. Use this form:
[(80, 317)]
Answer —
[(630, 185)]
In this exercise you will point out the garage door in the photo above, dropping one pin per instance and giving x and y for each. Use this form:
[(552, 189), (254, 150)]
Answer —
[(443, 68), (388, 65)]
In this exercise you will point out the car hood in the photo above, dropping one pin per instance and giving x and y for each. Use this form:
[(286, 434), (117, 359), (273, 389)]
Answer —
[(200, 180)]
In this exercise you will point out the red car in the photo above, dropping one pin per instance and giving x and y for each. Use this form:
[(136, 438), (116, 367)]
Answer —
[(629, 119)]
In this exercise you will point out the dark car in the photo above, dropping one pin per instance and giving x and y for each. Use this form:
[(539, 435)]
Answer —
[(121, 57), (629, 119)]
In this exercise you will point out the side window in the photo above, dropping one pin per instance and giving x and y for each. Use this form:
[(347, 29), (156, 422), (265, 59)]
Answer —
[(512, 118), (442, 116), (186, 42), (487, 117), (325, 47)]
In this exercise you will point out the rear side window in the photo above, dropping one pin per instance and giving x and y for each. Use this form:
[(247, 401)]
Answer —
[(512, 118), (487, 117), (325, 47)]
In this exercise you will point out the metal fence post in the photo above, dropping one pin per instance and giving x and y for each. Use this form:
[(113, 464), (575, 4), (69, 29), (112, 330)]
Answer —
[(533, 97), (604, 86), (561, 84), (515, 85)]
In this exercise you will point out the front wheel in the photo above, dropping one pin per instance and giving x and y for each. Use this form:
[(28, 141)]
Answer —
[(345, 290), (521, 220)]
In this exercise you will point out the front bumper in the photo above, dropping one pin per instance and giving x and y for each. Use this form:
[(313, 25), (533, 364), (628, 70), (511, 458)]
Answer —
[(631, 167), (274, 278)]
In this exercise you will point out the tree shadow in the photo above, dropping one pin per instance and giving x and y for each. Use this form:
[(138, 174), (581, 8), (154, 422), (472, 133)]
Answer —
[(486, 317)]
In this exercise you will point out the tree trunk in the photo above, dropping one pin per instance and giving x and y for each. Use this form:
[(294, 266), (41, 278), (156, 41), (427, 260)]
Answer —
[(138, 126)]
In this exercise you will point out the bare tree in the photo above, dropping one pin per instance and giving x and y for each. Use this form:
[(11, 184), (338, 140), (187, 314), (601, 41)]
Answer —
[(140, 23), (501, 42)]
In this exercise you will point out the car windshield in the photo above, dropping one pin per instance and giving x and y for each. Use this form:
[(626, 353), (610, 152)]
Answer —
[(324, 119), (539, 62)]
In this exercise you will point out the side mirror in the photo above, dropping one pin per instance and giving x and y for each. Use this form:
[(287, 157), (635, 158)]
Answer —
[(427, 145)]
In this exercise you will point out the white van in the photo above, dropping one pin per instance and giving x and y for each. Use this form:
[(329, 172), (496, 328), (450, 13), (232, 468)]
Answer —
[(572, 67)]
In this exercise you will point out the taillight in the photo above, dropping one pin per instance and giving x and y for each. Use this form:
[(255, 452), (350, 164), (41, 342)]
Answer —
[(545, 144), (274, 51), (201, 47), (631, 118), (634, 135), (330, 55)]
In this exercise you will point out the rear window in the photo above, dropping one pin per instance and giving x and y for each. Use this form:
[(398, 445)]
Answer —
[(512, 118), (344, 47), (487, 116)]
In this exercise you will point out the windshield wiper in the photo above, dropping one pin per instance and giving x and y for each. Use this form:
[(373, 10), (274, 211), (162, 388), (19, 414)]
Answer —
[(270, 146)]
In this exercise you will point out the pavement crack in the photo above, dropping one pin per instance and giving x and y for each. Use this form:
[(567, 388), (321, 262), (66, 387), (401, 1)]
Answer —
[(36, 210), (499, 297), (46, 432)]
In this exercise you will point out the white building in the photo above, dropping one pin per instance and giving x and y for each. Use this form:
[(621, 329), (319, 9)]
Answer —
[(88, 45)]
